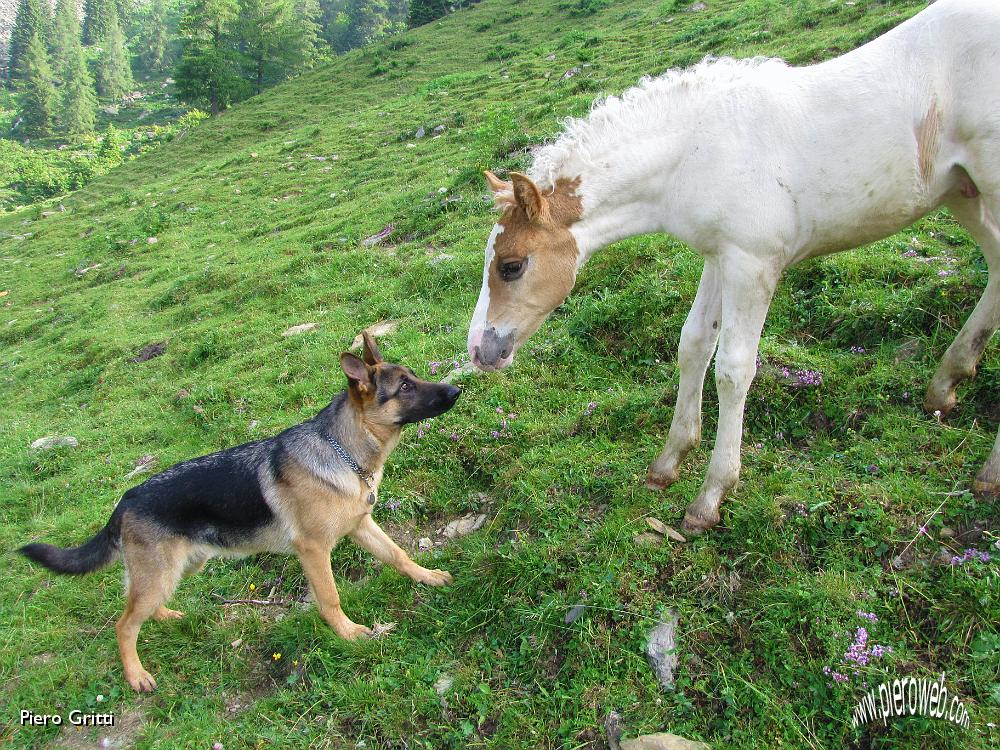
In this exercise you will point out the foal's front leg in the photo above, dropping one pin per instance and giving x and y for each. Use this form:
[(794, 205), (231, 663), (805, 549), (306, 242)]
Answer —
[(747, 287), (698, 338)]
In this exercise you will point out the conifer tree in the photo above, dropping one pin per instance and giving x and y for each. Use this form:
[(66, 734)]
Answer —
[(425, 11), (263, 33), (155, 54), (309, 45), (65, 35), (32, 18), (208, 71), (97, 15), (114, 73), (79, 102), (38, 98), (366, 20)]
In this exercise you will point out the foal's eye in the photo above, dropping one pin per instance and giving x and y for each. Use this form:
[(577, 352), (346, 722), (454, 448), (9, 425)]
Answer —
[(512, 269)]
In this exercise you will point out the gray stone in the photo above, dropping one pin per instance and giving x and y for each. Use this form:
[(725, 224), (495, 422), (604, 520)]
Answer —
[(464, 526), (613, 729), (420, 132), (301, 328), (460, 372), (574, 613), (439, 129), (661, 650), (55, 441), (662, 742)]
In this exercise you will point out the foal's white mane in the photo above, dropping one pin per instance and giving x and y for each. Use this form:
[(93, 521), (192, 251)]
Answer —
[(643, 108)]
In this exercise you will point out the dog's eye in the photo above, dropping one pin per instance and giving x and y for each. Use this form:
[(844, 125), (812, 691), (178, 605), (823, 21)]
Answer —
[(512, 269), (405, 386)]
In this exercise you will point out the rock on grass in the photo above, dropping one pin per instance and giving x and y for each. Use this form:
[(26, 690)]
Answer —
[(661, 650), (55, 441), (662, 742)]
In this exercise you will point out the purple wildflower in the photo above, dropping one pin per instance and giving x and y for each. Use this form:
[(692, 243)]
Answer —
[(454, 436), (810, 377), (499, 410), (943, 274), (495, 434), (873, 469), (434, 367), (590, 408), (970, 555), (871, 617), (392, 504), (857, 350)]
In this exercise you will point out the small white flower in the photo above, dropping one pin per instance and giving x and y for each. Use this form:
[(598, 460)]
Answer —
[(100, 698)]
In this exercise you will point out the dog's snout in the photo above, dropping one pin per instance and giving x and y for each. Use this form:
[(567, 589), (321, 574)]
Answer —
[(452, 393)]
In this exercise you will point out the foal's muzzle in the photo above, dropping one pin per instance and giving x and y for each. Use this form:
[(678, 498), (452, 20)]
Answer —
[(493, 352)]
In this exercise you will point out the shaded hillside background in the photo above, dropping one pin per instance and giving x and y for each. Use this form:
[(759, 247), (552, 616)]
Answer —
[(206, 250)]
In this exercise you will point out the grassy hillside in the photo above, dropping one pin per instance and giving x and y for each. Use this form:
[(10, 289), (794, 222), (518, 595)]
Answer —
[(259, 218)]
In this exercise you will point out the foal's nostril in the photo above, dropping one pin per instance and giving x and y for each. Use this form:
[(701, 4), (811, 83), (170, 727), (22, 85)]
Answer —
[(505, 352)]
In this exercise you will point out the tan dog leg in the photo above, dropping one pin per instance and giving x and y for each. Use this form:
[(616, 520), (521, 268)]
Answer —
[(315, 561), (153, 572), (369, 535)]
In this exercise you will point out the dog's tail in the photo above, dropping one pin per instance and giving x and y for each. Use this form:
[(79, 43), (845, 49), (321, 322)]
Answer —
[(98, 553)]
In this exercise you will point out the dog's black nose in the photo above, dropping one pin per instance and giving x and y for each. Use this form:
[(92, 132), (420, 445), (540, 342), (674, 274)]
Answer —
[(452, 394)]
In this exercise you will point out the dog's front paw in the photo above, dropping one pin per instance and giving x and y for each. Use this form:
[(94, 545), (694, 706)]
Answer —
[(432, 577), (140, 680), (350, 631)]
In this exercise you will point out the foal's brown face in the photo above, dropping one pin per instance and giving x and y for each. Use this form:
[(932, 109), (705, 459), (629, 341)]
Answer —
[(531, 262)]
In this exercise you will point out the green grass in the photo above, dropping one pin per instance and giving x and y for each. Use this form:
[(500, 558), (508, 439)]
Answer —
[(250, 242)]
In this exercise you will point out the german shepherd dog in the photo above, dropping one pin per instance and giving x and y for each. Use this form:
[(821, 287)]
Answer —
[(300, 491)]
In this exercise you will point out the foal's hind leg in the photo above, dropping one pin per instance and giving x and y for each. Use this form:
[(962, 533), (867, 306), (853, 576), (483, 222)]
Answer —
[(959, 362), (987, 482), (698, 338)]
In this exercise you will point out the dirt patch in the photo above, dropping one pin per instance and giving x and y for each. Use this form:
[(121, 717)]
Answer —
[(128, 726)]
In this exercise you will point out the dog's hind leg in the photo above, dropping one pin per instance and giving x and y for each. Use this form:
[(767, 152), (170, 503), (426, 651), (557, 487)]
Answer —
[(154, 567), (315, 559), (371, 536), (194, 563)]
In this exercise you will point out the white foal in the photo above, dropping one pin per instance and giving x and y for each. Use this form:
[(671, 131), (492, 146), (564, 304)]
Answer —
[(758, 166)]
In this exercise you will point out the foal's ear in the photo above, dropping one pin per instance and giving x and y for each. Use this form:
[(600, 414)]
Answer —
[(371, 354), (528, 196), (357, 372), (496, 184)]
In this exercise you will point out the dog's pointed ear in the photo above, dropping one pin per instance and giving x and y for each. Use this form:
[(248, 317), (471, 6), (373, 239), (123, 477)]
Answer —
[(357, 372), (371, 354), (529, 197)]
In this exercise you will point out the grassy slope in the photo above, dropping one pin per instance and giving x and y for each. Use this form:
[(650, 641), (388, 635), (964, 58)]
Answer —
[(249, 245)]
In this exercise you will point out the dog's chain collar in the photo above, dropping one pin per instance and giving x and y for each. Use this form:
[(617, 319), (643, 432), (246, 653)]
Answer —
[(366, 476)]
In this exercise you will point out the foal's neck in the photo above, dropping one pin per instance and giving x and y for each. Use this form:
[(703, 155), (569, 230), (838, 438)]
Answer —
[(625, 192)]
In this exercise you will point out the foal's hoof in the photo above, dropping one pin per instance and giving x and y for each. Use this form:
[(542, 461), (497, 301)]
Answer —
[(656, 480), (938, 401), (986, 490), (696, 525)]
